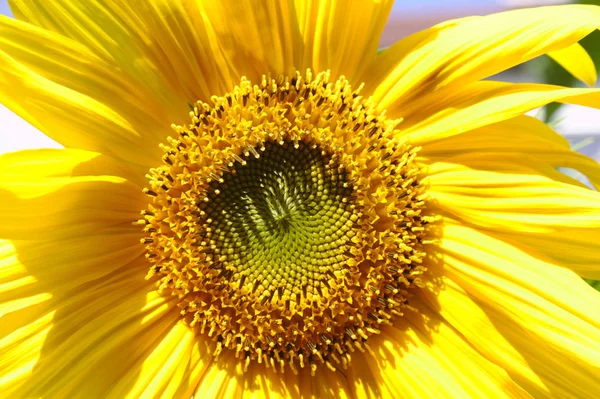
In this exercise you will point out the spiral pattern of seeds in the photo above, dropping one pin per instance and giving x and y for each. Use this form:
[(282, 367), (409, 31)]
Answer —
[(289, 222), (282, 220)]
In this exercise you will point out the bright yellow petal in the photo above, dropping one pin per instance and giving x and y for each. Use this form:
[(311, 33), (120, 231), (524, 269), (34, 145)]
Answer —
[(452, 111), (258, 382), (94, 333), (34, 276), (225, 378), (518, 199), (577, 61), (535, 320), (21, 350), (469, 49), (113, 31), (67, 196), (76, 304), (179, 42), (329, 384), (220, 380), (73, 252), (340, 35), (422, 356), (171, 369), (22, 299), (76, 98), (27, 164), (404, 54), (521, 136), (31, 269), (181, 51), (523, 204), (257, 38)]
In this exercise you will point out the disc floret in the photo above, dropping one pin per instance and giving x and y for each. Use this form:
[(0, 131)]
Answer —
[(288, 220)]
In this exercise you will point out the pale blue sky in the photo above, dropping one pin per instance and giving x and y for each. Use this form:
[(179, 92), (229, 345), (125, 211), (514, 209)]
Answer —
[(425, 6), (4, 10)]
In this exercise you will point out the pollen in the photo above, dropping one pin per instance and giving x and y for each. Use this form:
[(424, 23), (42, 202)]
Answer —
[(289, 221)]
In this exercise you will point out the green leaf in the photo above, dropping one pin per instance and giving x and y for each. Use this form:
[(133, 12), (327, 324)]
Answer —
[(593, 283)]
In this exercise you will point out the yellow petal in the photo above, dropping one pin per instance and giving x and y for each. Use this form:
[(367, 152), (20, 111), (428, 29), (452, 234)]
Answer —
[(404, 54), (20, 352), (219, 381), (115, 32), (83, 299), (94, 333), (225, 378), (453, 111), (183, 45), (26, 164), (514, 197), (178, 42), (67, 196), (422, 356), (473, 48), (14, 277), (76, 98), (256, 38), (577, 61), (75, 253), (536, 320), (31, 270), (181, 51), (171, 369), (341, 36), (521, 136)]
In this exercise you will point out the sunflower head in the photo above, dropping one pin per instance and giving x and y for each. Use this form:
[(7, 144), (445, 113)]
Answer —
[(389, 221), (288, 219)]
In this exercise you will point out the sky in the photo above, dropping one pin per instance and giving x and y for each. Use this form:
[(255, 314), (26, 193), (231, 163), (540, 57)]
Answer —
[(425, 6), (4, 9)]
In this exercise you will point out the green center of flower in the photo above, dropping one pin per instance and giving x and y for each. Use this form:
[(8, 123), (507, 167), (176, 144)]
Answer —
[(288, 221), (281, 219)]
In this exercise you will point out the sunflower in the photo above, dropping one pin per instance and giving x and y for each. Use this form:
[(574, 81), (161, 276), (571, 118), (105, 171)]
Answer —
[(253, 202)]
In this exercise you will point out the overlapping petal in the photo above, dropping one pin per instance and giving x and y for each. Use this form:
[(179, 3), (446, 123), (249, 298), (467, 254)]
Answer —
[(170, 369), (68, 195), (463, 51), (341, 36), (182, 51), (536, 320), (74, 303), (577, 61), (525, 202), (451, 111), (190, 50), (523, 136), (77, 98), (68, 260), (424, 356), (225, 378), (92, 333), (114, 32)]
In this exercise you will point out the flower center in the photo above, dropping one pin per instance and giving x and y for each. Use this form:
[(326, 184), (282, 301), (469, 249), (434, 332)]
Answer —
[(281, 219), (288, 220)]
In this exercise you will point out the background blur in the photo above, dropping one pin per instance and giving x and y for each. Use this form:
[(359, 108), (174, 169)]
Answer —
[(579, 124)]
